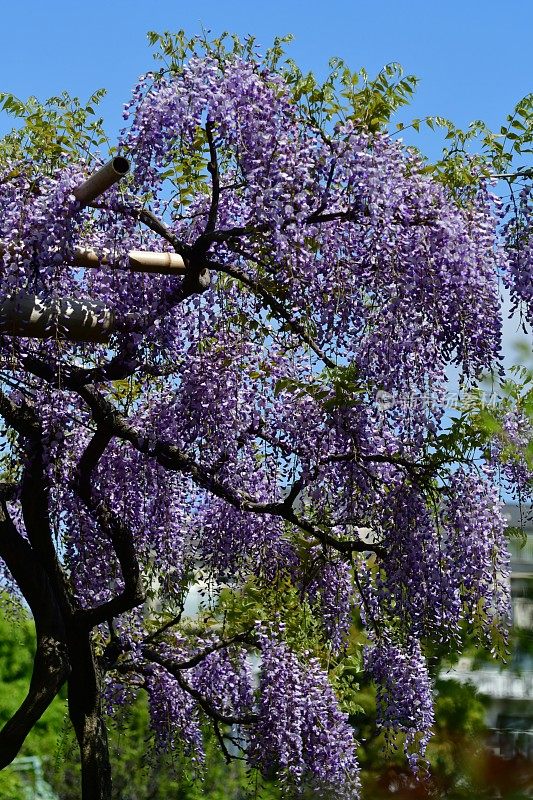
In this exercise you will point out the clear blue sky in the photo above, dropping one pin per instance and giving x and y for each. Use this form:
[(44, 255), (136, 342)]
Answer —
[(474, 56)]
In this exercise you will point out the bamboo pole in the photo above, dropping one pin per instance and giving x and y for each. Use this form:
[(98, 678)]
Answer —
[(25, 314), (101, 180), (138, 261)]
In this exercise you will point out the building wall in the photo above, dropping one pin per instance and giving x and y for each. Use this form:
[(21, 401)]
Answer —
[(509, 688)]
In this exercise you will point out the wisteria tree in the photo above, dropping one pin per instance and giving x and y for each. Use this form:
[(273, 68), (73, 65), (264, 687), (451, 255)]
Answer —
[(254, 403)]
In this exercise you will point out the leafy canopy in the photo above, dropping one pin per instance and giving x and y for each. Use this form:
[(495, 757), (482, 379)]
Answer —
[(268, 422)]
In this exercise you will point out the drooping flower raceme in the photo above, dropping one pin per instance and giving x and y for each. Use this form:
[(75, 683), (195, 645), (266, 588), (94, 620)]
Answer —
[(519, 240), (173, 714), (404, 702), (301, 734)]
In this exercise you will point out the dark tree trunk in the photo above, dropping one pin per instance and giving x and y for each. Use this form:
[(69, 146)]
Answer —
[(51, 664), (86, 714)]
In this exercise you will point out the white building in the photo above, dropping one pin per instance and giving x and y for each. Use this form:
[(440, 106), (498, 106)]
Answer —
[(510, 687)]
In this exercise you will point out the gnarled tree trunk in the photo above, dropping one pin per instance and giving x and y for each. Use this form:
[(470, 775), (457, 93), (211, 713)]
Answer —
[(86, 714), (51, 662)]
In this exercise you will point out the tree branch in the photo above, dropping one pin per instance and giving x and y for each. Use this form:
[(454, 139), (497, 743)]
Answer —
[(318, 217), (149, 219), (415, 470), (34, 495), (170, 457), (119, 534), (275, 305), (193, 661), (196, 276), (203, 702)]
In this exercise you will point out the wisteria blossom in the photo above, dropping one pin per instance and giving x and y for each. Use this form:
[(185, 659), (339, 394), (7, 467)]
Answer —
[(230, 436), (519, 239), (404, 701), (301, 734)]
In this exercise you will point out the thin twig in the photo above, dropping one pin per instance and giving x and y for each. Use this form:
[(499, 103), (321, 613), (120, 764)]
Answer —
[(215, 180)]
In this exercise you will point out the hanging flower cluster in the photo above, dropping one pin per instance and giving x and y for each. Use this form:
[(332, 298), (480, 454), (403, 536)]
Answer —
[(519, 240), (173, 714), (404, 702), (301, 733)]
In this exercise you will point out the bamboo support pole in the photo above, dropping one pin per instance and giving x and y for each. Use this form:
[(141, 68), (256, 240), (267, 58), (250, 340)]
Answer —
[(101, 180), (138, 261), (24, 314)]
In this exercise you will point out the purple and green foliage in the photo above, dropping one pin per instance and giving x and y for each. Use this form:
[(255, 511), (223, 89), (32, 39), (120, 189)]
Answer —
[(233, 432)]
